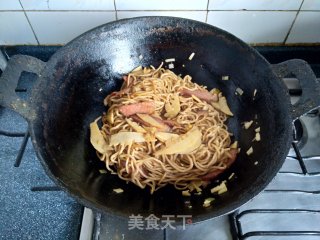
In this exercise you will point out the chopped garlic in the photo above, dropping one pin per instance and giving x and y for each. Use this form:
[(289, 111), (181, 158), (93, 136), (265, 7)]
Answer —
[(102, 171), (118, 190), (247, 125), (215, 91), (257, 129), (207, 202), (183, 65), (198, 193), (171, 66), (254, 92), (231, 176), (258, 137), (250, 151), (191, 56), (170, 60), (239, 91), (186, 193), (222, 188), (225, 78), (140, 57), (234, 145), (239, 150), (256, 163)]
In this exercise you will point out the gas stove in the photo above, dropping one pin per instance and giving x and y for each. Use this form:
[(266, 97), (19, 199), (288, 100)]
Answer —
[(32, 207)]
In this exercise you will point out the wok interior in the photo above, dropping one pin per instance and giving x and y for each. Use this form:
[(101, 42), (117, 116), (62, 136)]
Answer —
[(81, 74)]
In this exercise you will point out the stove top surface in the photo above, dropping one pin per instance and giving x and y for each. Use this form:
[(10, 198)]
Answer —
[(32, 207)]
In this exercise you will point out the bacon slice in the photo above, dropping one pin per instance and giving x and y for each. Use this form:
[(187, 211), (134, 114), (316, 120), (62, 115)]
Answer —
[(201, 94), (211, 175), (142, 107)]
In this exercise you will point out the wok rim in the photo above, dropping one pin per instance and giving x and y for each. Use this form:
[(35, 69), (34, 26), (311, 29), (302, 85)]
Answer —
[(237, 203)]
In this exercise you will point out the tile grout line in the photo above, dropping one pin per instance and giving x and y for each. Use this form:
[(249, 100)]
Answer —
[(25, 14), (115, 9), (293, 22), (207, 13)]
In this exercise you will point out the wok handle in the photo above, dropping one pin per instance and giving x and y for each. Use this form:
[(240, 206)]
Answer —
[(310, 97), (9, 81)]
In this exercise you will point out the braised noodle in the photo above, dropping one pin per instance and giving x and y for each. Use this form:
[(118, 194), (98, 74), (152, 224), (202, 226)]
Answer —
[(139, 156)]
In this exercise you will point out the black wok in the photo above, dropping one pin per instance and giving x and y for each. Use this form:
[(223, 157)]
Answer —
[(70, 88)]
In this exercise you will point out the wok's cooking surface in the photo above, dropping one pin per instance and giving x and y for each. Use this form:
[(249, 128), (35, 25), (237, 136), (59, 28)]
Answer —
[(81, 74), (46, 213)]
